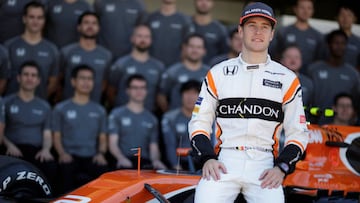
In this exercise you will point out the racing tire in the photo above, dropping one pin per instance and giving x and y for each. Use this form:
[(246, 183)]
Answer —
[(353, 154), (22, 181)]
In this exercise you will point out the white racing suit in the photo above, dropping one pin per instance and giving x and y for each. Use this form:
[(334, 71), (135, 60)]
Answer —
[(251, 104)]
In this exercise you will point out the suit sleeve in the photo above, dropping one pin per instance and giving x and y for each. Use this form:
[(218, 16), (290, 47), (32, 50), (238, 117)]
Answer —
[(205, 107), (200, 125), (296, 133)]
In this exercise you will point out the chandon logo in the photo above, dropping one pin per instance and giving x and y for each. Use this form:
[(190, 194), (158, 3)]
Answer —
[(250, 108)]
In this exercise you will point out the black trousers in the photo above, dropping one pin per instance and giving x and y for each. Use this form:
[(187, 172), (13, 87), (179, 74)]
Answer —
[(79, 172)]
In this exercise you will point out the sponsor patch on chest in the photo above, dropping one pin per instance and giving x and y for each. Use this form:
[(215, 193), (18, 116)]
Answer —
[(230, 70), (271, 83)]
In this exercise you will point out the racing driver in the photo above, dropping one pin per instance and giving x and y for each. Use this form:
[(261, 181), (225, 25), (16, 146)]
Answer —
[(252, 99)]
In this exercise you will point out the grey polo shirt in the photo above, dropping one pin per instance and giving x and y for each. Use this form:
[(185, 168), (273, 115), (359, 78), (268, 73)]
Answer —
[(118, 19), (134, 130), (25, 121), (174, 77), (168, 33), (62, 18), (44, 53), (80, 126), (99, 59), (126, 66)]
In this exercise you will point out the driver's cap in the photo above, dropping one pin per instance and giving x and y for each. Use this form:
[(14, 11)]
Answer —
[(258, 9)]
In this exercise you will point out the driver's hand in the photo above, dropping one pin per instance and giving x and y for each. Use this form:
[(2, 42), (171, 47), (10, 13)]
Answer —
[(212, 169)]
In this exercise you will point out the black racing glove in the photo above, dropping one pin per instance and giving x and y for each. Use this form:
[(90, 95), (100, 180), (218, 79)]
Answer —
[(202, 150), (288, 158)]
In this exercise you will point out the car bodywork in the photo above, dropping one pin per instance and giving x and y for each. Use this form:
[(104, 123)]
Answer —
[(329, 168)]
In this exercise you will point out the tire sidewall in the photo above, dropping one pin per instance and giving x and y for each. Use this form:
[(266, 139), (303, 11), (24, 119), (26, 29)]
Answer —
[(21, 179)]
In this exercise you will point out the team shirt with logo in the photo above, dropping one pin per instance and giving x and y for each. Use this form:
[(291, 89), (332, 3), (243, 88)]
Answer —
[(126, 66), (99, 59), (310, 42), (174, 125), (216, 39), (62, 18), (11, 12), (168, 33), (329, 81), (80, 126), (117, 20), (44, 53), (25, 121), (174, 77), (134, 130), (352, 53), (4, 63)]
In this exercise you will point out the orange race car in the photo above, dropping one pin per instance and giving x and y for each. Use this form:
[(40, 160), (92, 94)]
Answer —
[(329, 172)]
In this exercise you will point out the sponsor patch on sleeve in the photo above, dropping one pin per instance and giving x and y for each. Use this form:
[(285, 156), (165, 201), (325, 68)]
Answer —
[(199, 101), (197, 105), (302, 119)]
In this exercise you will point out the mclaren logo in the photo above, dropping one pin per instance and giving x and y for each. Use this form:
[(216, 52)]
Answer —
[(250, 108), (230, 70), (274, 73)]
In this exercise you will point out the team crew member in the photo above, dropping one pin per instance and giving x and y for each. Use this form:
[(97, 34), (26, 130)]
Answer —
[(63, 15), (31, 45), (252, 99), (86, 51), (132, 126), (333, 75), (4, 68), (346, 18), (309, 40), (190, 68), (139, 61), (168, 27), (214, 33), (291, 58), (117, 21), (344, 109), (10, 18), (79, 127), (235, 48), (174, 125), (27, 122)]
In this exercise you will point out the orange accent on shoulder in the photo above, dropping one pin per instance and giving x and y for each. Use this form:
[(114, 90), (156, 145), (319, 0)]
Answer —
[(290, 93), (211, 83)]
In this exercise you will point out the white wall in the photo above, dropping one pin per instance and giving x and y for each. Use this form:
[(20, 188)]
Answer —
[(323, 26)]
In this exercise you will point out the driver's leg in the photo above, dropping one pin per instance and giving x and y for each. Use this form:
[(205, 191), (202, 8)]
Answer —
[(224, 190)]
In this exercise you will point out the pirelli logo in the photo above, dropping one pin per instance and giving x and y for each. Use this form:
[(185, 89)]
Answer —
[(230, 70), (250, 108)]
